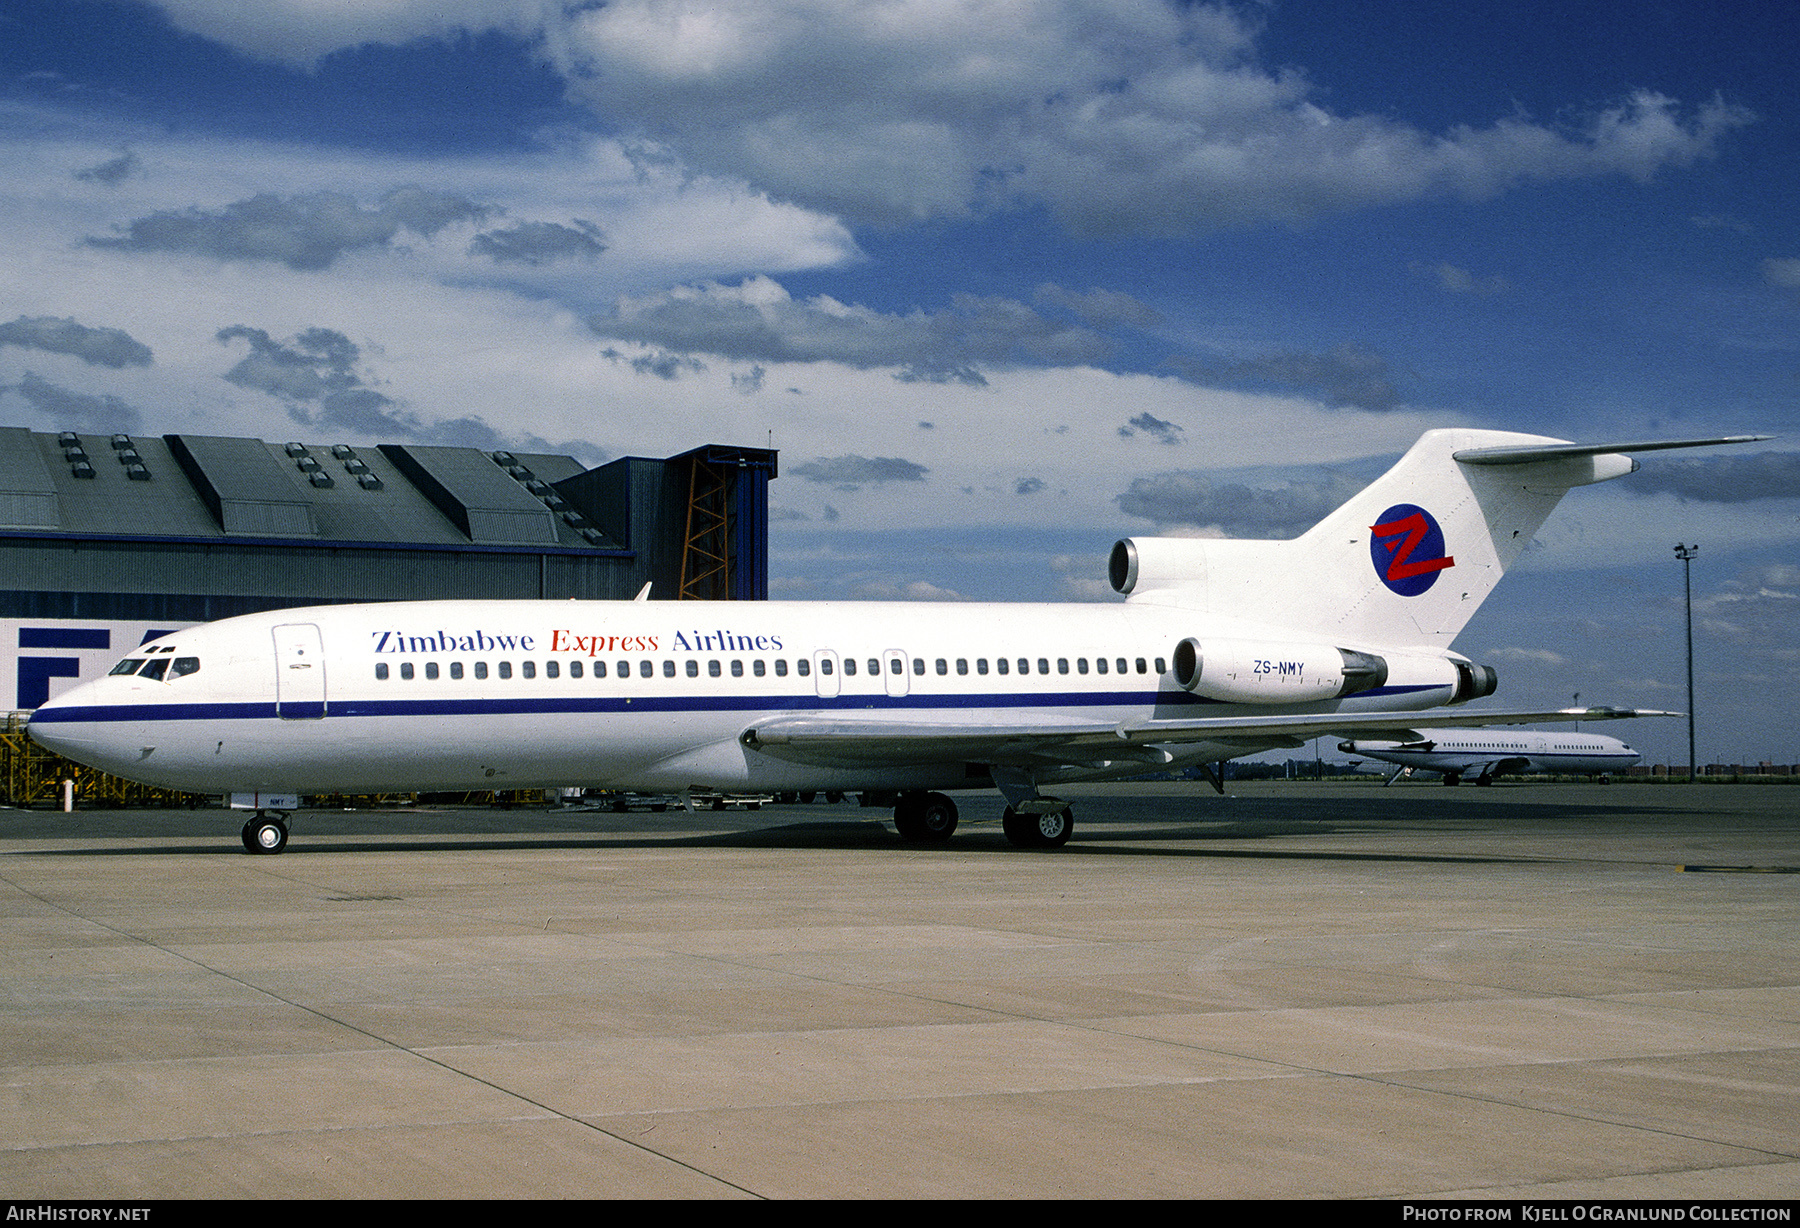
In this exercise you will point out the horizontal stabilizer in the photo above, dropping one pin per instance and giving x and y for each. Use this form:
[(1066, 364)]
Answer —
[(1563, 451)]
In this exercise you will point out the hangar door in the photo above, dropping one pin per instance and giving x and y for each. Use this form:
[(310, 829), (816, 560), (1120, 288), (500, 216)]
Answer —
[(299, 672)]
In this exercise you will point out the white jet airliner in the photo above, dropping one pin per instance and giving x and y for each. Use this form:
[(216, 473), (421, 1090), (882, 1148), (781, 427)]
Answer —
[(1486, 753), (1221, 649)]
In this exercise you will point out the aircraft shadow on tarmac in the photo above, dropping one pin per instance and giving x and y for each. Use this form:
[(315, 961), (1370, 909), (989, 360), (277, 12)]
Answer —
[(1117, 827)]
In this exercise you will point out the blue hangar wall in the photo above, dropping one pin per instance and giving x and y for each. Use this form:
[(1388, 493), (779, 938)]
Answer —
[(108, 541)]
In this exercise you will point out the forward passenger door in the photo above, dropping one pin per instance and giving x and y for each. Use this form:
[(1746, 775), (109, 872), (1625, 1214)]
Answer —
[(299, 672)]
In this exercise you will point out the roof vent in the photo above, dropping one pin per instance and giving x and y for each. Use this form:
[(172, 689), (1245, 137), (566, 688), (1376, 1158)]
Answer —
[(296, 449)]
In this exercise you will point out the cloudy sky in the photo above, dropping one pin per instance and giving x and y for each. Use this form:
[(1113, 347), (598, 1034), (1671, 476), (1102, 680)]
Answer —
[(1002, 279)]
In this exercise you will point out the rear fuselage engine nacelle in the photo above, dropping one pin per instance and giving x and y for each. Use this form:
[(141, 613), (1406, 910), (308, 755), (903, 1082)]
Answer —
[(1242, 671), (1274, 671)]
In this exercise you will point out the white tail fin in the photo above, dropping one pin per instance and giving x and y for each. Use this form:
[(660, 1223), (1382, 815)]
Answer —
[(1407, 561)]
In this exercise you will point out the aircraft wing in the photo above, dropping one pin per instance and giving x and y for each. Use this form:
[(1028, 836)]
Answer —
[(863, 742)]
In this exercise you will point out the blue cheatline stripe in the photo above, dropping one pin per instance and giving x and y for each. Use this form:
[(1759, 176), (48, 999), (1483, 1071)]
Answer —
[(624, 704)]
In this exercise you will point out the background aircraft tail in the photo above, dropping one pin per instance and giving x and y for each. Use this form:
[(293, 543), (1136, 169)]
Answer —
[(1407, 561)]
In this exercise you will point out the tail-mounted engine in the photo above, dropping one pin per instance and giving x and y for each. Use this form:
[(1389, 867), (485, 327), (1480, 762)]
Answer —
[(1287, 671), (1474, 682), (1275, 672)]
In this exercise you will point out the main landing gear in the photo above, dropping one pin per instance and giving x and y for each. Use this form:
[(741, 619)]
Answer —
[(1049, 829), (925, 818), (266, 833), (1031, 823)]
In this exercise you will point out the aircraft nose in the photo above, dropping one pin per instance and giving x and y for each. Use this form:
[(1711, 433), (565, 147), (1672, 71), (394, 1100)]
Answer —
[(57, 725)]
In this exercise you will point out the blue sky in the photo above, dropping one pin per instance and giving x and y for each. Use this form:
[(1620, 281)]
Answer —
[(1003, 281)]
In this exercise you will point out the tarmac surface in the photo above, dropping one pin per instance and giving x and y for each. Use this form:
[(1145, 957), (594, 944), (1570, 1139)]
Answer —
[(1301, 990)]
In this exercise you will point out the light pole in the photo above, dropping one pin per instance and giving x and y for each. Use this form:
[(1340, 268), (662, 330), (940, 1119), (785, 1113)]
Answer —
[(1686, 555)]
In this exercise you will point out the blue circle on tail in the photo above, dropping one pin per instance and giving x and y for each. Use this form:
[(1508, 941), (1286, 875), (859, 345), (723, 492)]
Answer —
[(1407, 548)]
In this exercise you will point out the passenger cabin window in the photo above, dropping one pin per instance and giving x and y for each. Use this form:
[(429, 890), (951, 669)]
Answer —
[(803, 667), (381, 671), (737, 669), (693, 669), (574, 669), (481, 669), (406, 671), (668, 668), (528, 669), (849, 667), (781, 667), (431, 670), (506, 669), (456, 670), (758, 668), (551, 669), (646, 667), (712, 669)]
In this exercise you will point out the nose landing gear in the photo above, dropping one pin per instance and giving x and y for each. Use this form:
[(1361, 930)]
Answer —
[(266, 833)]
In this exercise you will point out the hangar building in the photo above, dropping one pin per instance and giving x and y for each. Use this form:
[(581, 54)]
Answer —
[(106, 541)]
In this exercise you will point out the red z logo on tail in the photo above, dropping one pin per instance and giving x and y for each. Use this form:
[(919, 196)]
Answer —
[(1411, 564)]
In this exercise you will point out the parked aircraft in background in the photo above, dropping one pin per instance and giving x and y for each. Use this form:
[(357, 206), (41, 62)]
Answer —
[(1487, 753), (1221, 649)]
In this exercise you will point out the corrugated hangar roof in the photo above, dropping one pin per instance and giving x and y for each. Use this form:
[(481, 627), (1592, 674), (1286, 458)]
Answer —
[(205, 486)]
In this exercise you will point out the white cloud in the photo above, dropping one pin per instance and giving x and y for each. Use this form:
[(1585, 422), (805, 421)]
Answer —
[(758, 320), (1116, 115), (910, 590), (300, 32)]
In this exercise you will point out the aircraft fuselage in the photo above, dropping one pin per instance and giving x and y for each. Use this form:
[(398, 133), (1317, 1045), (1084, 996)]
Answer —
[(650, 695)]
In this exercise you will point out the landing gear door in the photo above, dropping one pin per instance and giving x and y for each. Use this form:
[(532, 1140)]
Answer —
[(299, 672)]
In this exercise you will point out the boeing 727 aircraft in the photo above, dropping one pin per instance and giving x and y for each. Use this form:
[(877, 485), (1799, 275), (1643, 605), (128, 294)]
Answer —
[(1487, 753), (1221, 649)]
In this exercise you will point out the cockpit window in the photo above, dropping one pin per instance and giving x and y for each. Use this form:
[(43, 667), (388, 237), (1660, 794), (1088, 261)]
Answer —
[(155, 669), (128, 666), (184, 666)]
